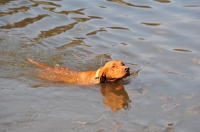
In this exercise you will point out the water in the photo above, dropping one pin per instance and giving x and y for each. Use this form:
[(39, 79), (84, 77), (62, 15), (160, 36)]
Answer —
[(158, 37)]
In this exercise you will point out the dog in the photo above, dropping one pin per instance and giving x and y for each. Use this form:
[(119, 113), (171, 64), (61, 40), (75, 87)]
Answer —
[(110, 72)]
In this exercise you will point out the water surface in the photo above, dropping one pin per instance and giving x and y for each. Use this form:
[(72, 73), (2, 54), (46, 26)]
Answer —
[(158, 38)]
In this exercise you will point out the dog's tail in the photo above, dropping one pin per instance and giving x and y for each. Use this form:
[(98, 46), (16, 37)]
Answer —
[(38, 64)]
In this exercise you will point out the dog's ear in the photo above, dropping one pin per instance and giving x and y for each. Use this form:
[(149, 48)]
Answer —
[(102, 76)]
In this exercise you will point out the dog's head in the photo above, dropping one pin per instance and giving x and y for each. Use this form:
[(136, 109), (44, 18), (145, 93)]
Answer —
[(113, 70)]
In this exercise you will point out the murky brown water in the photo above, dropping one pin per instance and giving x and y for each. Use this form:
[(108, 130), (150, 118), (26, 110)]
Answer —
[(158, 37)]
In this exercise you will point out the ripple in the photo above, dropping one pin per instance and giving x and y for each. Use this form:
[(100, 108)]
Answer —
[(95, 32), (182, 50), (3, 2), (141, 38), (150, 24), (49, 8), (16, 10), (45, 3), (121, 28), (104, 30), (54, 31), (123, 43), (79, 11), (95, 17), (191, 6), (24, 22), (81, 19), (72, 44), (78, 19), (163, 1), (129, 4)]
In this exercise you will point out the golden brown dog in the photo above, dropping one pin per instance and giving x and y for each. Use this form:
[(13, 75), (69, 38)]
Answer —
[(111, 71)]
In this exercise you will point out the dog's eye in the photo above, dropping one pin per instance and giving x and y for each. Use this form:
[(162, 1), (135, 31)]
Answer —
[(123, 64), (113, 66)]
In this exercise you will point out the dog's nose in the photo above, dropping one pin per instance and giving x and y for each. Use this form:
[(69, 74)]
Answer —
[(126, 69)]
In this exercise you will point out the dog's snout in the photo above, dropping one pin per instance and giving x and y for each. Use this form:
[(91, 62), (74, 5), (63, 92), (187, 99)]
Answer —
[(126, 69)]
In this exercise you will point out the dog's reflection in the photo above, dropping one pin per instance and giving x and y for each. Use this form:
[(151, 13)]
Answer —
[(115, 96)]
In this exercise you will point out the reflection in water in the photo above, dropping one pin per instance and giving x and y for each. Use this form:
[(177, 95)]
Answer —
[(95, 32), (81, 19), (121, 28), (24, 22), (151, 24), (141, 38), (86, 19), (163, 1), (115, 96), (24, 8), (72, 12), (45, 3), (15, 10), (72, 44), (182, 50), (123, 43), (95, 17), (191, 6), (3, 2), (104, 30), (54, 31), (128, 4)]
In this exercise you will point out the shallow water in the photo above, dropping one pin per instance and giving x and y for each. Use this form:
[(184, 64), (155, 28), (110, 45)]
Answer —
[(158, 37)]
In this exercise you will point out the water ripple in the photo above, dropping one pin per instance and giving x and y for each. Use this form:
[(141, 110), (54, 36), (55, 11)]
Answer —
[(129, 4), (25, 22), (79, 11), (4, 2), (158, 37), (45, 3), (163, 1), (150, 24), (55, 31)]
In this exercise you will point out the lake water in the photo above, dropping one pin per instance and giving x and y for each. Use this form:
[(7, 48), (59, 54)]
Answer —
[(158, 38)]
